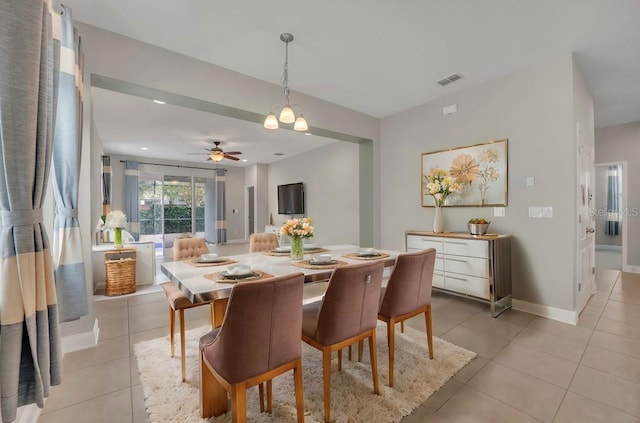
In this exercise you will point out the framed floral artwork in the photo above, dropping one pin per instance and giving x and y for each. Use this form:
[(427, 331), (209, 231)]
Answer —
[(475, 175)]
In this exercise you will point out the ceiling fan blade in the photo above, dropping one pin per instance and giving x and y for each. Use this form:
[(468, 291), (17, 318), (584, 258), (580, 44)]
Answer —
[(234, 153), (226, 156)]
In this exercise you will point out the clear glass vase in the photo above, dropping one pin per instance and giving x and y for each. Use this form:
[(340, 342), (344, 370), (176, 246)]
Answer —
[(117, 238), (297, 249)]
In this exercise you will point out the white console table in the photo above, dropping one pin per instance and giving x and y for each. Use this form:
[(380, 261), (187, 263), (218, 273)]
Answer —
[(474, 266), (145, 263)]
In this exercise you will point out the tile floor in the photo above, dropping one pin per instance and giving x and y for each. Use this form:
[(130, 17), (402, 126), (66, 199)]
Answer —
[(528, 368)]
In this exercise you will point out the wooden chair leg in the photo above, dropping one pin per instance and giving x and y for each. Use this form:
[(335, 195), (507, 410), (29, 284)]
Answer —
[(402, 326), (373, 352), (261, 396), (391, 341), (269, 396), (213, 396), (297, 382), (183, 358), (172, 330), (360, 350), (427, 316), (350, 352), (239, 403), (340, 359), (326, 380)]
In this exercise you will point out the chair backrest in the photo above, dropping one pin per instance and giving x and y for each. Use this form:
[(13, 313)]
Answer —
[(184, 248), (350, 304), (261, 328), (409, 286), (263, 241)]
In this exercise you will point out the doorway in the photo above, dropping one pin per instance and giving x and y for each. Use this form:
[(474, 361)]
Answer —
[(609, 214), (251, 226)]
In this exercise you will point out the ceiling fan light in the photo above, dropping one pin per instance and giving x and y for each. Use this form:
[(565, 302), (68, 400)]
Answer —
[(287, 115), (300, 125), (271, 122), (216, 156)]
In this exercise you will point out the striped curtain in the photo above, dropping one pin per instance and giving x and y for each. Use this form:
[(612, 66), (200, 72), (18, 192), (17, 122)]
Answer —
[(106, 186), (215, 225), (613, 224), (131, 201), (30, 352), (68, 256)]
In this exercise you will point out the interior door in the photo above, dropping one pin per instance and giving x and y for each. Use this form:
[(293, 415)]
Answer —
[(251, 226), (585, 284)]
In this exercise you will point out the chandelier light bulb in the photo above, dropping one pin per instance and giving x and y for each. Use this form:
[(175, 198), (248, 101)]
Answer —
[(300, 125), (287, 115), (271, 122)]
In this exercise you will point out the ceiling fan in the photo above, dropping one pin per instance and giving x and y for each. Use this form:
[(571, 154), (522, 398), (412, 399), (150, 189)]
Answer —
[(217, 154)]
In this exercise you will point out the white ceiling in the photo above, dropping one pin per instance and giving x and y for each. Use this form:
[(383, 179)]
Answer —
[(380, 57)]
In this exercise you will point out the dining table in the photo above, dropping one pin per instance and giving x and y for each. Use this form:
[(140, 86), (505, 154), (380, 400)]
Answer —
[(202, 281)]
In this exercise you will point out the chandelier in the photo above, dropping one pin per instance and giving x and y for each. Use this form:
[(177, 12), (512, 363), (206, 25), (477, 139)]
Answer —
[(287, 114)]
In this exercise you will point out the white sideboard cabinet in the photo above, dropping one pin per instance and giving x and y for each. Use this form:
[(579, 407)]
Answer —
[(477, 267)]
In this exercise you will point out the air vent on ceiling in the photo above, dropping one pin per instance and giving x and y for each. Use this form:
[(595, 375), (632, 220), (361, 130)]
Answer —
[(278, 154), (449, 79)]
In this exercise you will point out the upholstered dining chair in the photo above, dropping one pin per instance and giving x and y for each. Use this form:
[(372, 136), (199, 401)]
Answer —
[(347, 314), (259, 339), (408, 294), (264, 241), (183, 248)]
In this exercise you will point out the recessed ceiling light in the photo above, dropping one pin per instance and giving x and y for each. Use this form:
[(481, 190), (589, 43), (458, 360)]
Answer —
[(159, 102), (144, 148), (245, 160), (308, 133)]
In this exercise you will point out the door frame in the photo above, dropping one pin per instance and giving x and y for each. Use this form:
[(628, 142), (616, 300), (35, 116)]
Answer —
[(624, 164)]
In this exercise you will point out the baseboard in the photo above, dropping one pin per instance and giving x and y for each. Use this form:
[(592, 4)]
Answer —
[(627, 268), (566, 316), (28, 414), (81, 341), (609, 247)]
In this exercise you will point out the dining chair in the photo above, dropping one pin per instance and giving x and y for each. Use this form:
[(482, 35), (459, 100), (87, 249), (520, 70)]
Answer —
[(259, 340), (264, 241), (407, 294), (346, 314), (183, 248)]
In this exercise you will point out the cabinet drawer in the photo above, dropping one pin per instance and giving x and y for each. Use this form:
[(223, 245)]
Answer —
[(471, 266), (466, 247), (438, 280), (423, 242), (470, 285), (439, 263)]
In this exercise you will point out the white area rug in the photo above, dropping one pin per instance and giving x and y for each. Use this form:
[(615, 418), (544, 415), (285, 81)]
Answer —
[(167, 399)]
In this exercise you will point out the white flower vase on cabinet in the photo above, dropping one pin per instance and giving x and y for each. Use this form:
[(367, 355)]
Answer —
[(438, 222)]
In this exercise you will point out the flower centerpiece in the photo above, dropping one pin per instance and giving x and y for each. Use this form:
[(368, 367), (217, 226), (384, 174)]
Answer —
[(440, 185), (117, 221), (297, 230)]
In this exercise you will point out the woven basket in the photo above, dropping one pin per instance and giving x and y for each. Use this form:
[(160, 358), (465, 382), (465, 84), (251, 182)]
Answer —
[(120, 268)]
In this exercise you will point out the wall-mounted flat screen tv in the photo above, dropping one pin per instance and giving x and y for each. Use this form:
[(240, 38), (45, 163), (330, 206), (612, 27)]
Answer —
[(291, 198)]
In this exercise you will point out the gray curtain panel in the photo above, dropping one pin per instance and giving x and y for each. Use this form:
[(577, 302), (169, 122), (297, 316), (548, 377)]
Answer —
[(131, 200), (215, 224), (613, 225), (106, 186), (30, 351), (67, 238)]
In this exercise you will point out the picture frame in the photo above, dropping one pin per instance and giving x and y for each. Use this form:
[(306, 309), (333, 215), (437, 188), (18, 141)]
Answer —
[(478, 175)]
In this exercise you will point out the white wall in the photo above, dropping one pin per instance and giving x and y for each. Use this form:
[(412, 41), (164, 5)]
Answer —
[(622, 143), (330, 177), (534, 110)]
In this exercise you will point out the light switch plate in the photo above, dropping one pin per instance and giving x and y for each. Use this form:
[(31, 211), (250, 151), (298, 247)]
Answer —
[(541, 212), (498, 212), (531, 181)]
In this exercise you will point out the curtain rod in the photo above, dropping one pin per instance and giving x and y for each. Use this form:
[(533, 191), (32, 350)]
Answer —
[(172, 165)]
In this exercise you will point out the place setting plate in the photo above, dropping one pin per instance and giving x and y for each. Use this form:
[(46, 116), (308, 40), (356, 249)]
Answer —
[(366, 254)]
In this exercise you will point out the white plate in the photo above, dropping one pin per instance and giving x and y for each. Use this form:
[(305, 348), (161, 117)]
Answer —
[(211, 260), (282, 249)]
